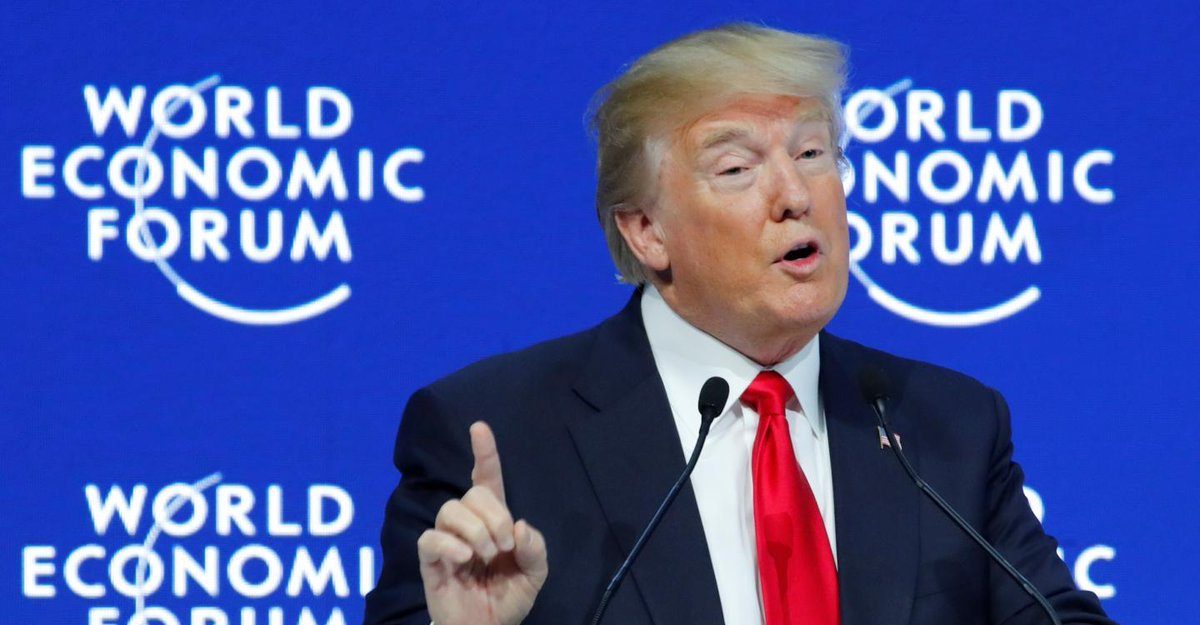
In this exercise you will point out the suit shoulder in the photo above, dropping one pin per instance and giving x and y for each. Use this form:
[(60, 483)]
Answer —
[(948, 404), (514, 373), (910, 374)]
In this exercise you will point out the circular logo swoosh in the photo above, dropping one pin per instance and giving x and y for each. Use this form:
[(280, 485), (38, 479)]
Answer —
[(196, 297), (929, 316)]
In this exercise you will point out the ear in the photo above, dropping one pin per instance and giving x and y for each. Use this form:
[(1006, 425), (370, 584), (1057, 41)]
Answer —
[(644, 236)]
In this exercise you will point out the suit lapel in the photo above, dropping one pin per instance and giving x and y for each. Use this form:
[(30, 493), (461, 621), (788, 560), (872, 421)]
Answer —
[(875, 503), (631, 450)]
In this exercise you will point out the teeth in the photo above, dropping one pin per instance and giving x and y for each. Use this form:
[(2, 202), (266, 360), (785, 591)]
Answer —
[(798, 253)]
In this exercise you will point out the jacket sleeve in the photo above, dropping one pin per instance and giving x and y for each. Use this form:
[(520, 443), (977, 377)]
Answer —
[(433, 455), (1017, 534)]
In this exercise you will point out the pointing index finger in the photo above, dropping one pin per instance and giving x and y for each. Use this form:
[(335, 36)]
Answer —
[(487, 460)]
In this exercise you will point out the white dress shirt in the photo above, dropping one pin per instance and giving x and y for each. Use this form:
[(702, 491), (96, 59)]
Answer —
[(686, 357)]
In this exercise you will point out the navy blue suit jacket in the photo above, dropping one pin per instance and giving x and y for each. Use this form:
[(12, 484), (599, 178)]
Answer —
[(589, 449)]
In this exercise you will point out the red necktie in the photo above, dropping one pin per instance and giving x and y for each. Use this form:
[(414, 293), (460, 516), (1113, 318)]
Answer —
[(795, 563)]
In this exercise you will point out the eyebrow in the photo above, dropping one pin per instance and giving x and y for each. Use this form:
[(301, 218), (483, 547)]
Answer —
[(724, 135), (735, 133)]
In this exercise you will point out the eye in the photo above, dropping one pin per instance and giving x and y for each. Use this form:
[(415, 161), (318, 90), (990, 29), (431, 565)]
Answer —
[(810, 154), (732, 171)]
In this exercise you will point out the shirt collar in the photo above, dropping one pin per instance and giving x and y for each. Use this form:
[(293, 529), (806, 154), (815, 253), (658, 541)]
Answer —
[(687, 356)]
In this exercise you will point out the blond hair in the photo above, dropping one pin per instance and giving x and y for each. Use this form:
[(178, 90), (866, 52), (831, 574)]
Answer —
[(678, 82)]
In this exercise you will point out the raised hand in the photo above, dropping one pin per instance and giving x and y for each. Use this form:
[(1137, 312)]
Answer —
[(480, 568)]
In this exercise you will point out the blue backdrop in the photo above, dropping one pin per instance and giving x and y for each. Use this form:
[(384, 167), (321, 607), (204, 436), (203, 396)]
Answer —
[(254, 374)]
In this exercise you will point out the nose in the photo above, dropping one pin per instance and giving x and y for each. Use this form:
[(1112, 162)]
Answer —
[(792, 199)]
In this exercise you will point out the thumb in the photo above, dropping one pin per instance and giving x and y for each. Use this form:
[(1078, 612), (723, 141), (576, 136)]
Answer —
[(530, 552)]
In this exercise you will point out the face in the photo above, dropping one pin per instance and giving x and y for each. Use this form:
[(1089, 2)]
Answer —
[(748, 231)]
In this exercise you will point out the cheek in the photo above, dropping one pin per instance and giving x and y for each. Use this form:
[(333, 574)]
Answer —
[(713, 232), (833, 216), (842, 232)]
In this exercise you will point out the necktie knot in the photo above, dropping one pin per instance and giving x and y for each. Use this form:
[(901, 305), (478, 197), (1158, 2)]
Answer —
[(768, 394)]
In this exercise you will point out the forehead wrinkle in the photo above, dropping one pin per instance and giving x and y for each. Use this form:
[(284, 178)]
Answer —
[(812, 114), (804, 112), (805, 129), (808, 115), (798, 111), (726, 134)]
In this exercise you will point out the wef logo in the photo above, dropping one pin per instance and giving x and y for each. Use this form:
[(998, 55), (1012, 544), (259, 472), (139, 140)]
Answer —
[(210, 552), (265, 189), (917, 155)]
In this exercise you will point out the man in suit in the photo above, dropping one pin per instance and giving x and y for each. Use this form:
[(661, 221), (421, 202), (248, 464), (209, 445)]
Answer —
[(720, 195)]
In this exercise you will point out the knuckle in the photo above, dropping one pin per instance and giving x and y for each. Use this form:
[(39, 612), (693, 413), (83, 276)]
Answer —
[(477, 495), (431, 546), (449, 510), (478, 533), (466, 524), (427, 539), (488, 496), (481, 501)]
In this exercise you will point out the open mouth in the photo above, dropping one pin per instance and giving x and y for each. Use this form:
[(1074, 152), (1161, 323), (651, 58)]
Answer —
[(800, 252)]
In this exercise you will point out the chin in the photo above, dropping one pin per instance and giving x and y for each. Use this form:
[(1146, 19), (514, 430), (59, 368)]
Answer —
[(808, 310)]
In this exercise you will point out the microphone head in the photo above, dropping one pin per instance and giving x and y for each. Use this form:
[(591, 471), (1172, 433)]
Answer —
[(873, 383), (713, 396)]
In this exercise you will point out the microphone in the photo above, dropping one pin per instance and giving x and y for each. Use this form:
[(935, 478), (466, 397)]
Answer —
[(713, 396), (872, 381)]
